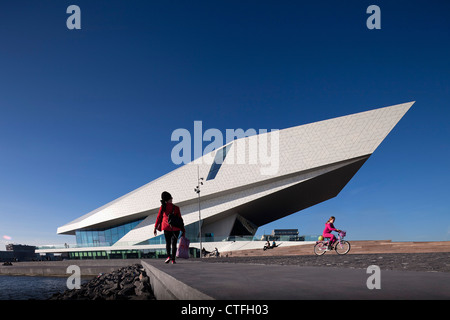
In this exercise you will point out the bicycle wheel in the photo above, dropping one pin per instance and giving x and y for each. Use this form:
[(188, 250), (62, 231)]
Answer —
[(342, 247), (320, 249)]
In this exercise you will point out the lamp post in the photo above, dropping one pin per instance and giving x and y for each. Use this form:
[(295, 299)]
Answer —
[(197, 190)]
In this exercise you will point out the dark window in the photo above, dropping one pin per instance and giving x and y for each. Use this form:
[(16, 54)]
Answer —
[(218, 160)]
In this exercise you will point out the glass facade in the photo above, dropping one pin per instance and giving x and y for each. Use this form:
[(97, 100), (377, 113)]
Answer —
[(117, 254), (104, 237), (191, 234), (218, 160)]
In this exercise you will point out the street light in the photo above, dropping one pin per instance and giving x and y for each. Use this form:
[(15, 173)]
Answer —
[(197, 190)]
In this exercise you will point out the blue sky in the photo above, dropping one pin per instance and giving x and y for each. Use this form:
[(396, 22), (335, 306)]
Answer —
[(87, 115)]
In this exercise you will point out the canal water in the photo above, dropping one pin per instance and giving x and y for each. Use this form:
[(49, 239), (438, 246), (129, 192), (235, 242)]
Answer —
[(26, 287)]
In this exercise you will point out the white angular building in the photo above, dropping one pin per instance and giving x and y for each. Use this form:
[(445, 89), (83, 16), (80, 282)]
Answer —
[(309, 164)]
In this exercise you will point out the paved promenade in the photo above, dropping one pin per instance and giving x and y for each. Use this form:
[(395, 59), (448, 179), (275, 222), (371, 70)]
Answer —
[(428, 262), (402, 276), (409, 276)]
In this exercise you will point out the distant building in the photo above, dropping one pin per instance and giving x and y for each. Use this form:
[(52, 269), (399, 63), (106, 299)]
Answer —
[(19, 252), (285, 234), (6, 256)]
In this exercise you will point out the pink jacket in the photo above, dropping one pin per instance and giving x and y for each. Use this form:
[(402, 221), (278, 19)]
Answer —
[(328, 228), (162, 222)]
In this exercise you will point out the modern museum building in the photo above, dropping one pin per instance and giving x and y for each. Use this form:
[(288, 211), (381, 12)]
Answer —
[(241, 187)]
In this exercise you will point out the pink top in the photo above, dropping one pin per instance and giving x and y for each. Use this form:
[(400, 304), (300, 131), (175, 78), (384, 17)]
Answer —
[(329, 227)]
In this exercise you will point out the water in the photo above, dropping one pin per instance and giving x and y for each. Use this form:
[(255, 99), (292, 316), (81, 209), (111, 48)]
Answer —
[(24, 288)]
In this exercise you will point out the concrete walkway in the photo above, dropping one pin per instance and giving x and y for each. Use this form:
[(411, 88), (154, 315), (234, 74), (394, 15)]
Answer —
[(193, 279), (267, 278)]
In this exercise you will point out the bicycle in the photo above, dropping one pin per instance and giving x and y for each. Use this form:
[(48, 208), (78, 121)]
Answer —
[(341, 246)]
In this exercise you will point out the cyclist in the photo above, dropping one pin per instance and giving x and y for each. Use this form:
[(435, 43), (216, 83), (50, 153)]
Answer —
[(329, 226)]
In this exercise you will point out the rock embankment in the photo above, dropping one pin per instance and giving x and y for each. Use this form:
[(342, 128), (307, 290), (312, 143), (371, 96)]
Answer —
[(126, 283)]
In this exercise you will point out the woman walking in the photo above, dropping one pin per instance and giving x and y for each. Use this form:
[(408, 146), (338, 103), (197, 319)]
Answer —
[(171, 233)]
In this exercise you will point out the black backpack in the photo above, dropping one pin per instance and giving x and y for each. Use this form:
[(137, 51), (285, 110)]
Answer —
[(174, 220)]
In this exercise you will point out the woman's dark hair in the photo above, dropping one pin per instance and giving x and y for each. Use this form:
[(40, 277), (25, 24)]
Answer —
[(165, 196)]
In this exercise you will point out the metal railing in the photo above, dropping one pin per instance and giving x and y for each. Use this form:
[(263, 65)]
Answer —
[(161, 240)]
